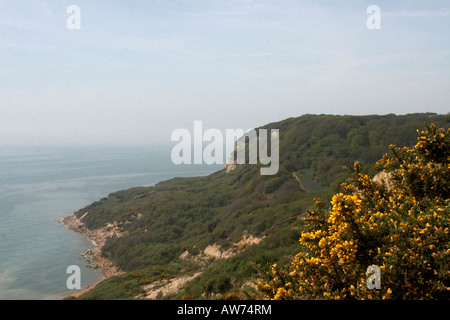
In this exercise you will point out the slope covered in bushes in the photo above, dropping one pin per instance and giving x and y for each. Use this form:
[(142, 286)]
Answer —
[(161, 223)]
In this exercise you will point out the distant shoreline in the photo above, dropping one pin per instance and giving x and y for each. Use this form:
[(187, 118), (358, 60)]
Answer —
[(98, 238)]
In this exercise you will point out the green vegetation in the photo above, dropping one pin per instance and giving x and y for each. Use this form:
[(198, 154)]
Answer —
[(160, 223), (401, 225)]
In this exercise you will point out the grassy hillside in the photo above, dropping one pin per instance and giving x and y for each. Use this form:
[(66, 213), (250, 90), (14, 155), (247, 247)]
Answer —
[(166, 228)]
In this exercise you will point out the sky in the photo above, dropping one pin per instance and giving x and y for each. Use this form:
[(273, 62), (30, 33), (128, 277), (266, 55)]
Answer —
[(137, 70)]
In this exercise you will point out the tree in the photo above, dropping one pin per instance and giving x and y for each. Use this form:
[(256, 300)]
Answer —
[(399, 223)]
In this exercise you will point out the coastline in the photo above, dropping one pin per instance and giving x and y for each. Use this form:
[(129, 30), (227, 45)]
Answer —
[(98, 238)]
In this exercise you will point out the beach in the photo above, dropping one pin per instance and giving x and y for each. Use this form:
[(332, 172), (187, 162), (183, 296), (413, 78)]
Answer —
[(98, 238)]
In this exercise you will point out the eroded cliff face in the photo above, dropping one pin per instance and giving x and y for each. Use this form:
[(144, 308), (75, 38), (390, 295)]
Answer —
[(240, 149), (229, 164)]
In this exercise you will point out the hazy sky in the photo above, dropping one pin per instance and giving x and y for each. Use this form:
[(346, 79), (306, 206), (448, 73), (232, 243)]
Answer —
[(139, 69)]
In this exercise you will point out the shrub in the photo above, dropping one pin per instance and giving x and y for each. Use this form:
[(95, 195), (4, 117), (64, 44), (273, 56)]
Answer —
[(401, 226), (272, 185)]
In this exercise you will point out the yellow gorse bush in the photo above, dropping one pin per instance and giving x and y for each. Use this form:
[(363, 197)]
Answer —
[(401, 225)]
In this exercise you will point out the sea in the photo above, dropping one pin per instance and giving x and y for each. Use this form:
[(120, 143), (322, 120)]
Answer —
[(41, 185)]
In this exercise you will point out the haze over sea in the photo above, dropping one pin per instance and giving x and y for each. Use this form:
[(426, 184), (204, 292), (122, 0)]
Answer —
[(39, 186)]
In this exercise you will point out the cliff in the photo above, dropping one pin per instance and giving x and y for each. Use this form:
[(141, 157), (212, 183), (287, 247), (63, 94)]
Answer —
[(226, 227)]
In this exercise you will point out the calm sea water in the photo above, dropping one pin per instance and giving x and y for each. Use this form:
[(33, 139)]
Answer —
[(39, 186)]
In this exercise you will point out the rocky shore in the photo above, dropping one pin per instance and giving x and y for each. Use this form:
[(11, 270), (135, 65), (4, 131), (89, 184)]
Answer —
[(93, 256)]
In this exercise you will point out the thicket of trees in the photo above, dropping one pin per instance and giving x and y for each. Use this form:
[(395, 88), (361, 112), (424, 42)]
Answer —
[(325, 143)]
